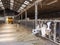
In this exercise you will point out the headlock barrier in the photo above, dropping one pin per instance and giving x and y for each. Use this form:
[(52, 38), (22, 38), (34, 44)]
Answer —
[(49, 29)]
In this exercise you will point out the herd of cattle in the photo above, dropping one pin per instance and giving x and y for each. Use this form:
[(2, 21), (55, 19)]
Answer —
[(47, 29)]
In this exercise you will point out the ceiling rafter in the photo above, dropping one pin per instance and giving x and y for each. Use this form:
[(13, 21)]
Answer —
[(1, 5), (6, 3), (11, 4)]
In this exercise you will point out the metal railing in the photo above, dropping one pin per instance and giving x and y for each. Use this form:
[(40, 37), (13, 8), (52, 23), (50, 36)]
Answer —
[(31, 24)]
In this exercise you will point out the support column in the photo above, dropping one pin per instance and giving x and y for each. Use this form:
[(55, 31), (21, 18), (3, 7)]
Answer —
[(36, 13), (25, 18), (21, 17), (5, 16), (25, 14), (54, 32)]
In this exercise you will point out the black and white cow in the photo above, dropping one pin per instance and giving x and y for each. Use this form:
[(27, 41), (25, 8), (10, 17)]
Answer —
[(45, 29)]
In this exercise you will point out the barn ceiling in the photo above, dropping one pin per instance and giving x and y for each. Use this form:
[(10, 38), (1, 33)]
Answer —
[(43, 6)]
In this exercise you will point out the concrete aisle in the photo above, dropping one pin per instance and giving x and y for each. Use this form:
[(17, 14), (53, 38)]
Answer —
[(11, 35)]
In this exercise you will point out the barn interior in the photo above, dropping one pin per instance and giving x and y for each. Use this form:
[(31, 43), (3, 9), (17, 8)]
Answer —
[(18, 18)]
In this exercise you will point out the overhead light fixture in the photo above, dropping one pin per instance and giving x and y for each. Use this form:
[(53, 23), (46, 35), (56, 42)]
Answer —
[(30, 0), (11, 4), (2, 7), (23, 5), (52, 2), (26, 2), (21, 8), (1, 4)]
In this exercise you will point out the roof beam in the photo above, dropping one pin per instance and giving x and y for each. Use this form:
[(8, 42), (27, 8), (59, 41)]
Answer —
[(28, 7), (22, 7), (1, 5), (54, 1), (26, 3), (11, 4)]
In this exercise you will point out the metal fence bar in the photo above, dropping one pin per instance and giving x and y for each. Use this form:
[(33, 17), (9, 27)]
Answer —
[(36, 13), (21, 17), (54, 32), (43, 20), (54, 26)]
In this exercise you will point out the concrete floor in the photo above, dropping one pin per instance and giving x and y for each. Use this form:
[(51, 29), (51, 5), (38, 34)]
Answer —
[(12, 34)]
